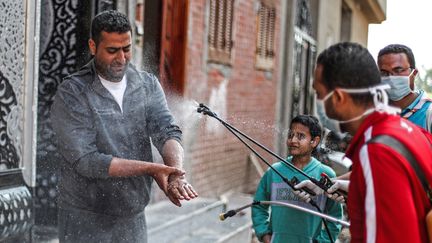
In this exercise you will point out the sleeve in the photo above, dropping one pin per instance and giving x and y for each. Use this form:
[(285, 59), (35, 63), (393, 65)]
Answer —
[(73, 127), (387, 180), (333, 209), (161, 124), (260, 213)]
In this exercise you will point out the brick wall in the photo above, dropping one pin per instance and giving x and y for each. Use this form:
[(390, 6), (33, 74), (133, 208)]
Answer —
[(244, 96)]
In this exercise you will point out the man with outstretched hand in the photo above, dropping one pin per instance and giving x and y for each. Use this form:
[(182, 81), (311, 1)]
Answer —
[(106, 116)]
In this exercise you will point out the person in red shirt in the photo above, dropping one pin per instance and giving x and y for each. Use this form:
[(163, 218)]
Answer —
[(386, 201)]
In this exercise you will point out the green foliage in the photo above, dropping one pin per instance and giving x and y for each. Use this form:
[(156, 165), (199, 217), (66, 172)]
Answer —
[(424, 81)]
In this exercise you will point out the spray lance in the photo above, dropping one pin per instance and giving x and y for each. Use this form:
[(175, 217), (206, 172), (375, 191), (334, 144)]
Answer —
[(233, 212), (324, 183), (206, 111)]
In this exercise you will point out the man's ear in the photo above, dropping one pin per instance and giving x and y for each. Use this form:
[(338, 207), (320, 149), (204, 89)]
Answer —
[(92, 47), (339, 96)]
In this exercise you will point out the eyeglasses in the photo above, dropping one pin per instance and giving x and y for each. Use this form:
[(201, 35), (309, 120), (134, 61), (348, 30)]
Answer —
[(299, 136), (397, 71)]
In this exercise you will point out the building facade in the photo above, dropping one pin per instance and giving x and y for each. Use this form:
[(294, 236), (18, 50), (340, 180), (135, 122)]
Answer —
[(250, 61)]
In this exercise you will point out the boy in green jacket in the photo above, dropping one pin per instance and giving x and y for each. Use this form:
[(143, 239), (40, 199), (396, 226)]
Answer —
[(283, 224)]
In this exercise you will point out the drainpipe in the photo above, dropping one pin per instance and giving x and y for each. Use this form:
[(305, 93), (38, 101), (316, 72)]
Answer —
[(283, 111)]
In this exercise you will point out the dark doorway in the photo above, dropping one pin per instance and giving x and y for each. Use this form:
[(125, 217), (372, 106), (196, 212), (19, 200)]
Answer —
[(173, 41)]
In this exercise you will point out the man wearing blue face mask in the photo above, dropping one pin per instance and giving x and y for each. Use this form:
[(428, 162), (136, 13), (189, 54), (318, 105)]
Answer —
[(397, 65)]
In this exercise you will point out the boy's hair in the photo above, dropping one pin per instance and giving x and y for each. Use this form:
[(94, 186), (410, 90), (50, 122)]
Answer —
[(349, 65), (309, 121), (398, 48), (109, 21)]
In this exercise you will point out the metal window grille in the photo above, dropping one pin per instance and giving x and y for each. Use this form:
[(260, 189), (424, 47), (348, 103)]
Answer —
[(265, 36), (220, 30)]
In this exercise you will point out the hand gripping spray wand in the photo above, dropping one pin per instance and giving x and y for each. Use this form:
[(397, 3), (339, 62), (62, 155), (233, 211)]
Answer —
[(206, 111)]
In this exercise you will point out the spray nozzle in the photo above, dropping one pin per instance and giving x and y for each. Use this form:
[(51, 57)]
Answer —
[(205, 110)]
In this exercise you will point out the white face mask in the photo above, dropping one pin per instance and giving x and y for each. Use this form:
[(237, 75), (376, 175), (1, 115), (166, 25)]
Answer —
[(399, 86), (380, 102), (327, 122)]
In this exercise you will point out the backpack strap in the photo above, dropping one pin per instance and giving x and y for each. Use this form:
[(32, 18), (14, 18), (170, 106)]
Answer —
[(423, 101), (429, 119), (402, 150)]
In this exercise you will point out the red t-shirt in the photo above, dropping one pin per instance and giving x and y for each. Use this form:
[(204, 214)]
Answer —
[(387, 202)]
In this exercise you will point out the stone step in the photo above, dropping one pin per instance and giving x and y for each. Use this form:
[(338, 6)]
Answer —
[(196, 221)]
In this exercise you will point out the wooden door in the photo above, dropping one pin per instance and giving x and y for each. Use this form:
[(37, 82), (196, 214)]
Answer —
[(173, 45)]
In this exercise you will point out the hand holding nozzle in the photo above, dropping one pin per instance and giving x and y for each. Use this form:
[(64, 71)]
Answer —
[(334, 189), (301, 191), (338, 186)]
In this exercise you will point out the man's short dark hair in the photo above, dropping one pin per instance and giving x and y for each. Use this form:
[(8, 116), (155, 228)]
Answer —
[(349, 65), (311, 122), (399, 48), (109, 21)]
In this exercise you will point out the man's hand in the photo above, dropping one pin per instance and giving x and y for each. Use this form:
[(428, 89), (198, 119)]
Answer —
[(267, 238), (179, 189), (338, 185), (161, 173), (304, 196)]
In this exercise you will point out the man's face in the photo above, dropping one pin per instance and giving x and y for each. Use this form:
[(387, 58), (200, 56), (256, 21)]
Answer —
[(395, 64), (321, 90), (112, 54)]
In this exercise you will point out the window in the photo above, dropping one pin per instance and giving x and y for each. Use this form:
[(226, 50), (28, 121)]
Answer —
[(265, 39), (220, 30)]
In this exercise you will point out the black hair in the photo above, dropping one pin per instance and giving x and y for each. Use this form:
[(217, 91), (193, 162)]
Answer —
[(398, 48), (311, 122), (349, 65), (109, 21)]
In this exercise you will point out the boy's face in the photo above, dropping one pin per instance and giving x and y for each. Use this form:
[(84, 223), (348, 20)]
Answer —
[(300, 141)]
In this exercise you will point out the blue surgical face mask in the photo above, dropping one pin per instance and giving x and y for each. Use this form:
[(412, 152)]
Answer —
[(399, 86)]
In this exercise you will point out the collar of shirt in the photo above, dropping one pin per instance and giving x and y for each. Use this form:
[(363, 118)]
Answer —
[(420, 96), (359, 137)]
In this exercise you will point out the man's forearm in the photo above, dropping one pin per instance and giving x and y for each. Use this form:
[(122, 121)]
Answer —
[(125, 167), (345, 176), (172, 154), (178, 188)]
